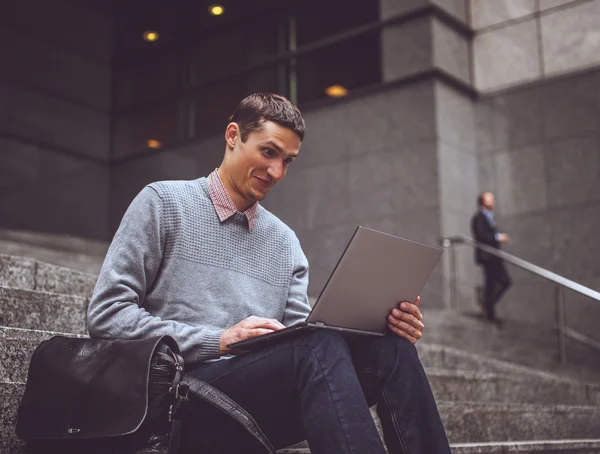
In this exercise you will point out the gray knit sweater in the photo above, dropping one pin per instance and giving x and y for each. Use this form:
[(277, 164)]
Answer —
[(173, 268)]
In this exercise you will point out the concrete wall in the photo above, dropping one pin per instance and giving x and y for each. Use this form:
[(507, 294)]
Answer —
[(539, 150), (519, 41), (54, 118)]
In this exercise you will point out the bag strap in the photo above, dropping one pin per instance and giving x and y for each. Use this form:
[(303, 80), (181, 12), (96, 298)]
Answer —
[(221, 401)]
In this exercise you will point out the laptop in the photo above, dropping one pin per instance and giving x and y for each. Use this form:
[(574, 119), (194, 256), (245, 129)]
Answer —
[(375, 273)]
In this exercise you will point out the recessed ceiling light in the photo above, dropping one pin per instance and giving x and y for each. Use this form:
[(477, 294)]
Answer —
[(154, 144), (336, 91), (216, 10), (151, 36)]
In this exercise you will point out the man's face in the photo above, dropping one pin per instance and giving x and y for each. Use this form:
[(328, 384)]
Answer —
[(489, 201), (259, 163)]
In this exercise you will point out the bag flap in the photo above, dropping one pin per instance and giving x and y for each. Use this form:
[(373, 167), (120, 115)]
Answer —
[(86, 388)]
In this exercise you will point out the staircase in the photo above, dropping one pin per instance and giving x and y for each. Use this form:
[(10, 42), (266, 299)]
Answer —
[(487, 405)]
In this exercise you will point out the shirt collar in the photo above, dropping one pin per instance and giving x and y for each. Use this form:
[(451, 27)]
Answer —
[(223, 202)]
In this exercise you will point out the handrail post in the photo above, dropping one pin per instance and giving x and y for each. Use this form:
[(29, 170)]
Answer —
[(453, 279), (561, 324)]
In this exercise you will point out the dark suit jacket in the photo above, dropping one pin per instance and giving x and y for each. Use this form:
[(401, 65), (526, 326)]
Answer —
[(485, 233)]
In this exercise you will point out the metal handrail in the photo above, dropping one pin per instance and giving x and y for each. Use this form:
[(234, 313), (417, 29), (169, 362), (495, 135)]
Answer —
[(562, 282), (527, 266)]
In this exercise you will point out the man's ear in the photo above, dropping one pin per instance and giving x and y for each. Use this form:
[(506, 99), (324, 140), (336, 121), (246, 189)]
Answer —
[(232, 134)]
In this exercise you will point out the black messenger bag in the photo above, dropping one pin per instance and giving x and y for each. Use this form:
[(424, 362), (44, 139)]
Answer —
[(92, 395)]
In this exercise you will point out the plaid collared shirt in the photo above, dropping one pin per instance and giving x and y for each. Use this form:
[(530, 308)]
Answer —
[(223, 203)]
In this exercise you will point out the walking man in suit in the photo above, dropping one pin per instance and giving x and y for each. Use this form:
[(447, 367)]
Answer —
[(496, 278)]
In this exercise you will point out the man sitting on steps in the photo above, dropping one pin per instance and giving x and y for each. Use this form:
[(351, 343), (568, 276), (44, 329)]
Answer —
[(204, 262)]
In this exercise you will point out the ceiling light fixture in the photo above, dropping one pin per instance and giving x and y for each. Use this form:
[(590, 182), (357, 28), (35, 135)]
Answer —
[(154, 144), (151, 36), (216, 10), (336, 91)]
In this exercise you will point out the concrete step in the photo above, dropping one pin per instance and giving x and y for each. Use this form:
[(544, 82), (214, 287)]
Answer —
[(473, 422), (10, 396), (521, 447), (72, 252), (33, 309), (440, 356), (30, 274), (16, 347), (462, 386), (527, 344)]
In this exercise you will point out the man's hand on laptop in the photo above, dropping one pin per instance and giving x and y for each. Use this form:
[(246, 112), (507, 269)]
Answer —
[(249, 327), (406, 320)]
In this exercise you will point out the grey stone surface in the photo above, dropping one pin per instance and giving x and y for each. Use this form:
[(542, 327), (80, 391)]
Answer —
[(73, 200), (406, 48), (570, 106), (576, 245), (42, 118), (458, 178), (370, 189), (569, 37), (572, 167), (415, 177), (41, 310), (17, 272), (526, 447), (10, 396), (467, 386), (56, 279), (510, 121), (389, 8), (39, 63), (75, 253), (469, 343), (486, 13), (515, 43), (471, 422), (455, 120), (28, 274), (547, 4), (451, 51), (521, 182), (522, 228)]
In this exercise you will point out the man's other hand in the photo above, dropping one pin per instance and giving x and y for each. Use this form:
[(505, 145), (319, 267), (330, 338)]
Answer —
[(406, 320), (249, 327), (503, 238)]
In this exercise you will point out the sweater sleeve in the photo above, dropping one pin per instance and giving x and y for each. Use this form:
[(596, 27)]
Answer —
[(133, 260), (297, 306)]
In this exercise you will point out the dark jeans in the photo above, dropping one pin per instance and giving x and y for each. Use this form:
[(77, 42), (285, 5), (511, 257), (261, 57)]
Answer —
[(319, 387), (497, 281)]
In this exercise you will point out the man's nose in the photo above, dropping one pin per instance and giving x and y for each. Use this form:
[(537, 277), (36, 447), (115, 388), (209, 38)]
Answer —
[(276, 171)]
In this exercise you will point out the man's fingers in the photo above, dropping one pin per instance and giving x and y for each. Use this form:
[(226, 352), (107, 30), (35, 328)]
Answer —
[(401, 333), (408, 318), (258, 332), (259, 322), (418, 301), (406, 327), (411, 309)]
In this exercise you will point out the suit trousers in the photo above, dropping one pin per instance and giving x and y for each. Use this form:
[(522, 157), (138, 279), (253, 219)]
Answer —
[(497, 282), (318, 386)]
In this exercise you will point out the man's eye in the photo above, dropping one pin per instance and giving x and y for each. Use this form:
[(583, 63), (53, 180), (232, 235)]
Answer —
[(268, 152), (287, 162)]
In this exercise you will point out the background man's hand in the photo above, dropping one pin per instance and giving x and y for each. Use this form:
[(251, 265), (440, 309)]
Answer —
[(406, 320), (503, 238), (247, 328)]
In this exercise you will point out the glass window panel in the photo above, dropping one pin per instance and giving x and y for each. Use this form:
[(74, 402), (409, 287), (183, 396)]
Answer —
[(159, 123), (353, 63), (316, 19), (214, 103)]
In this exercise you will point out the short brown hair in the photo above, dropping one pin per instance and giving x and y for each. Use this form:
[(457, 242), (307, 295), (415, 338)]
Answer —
[(257, 108)]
